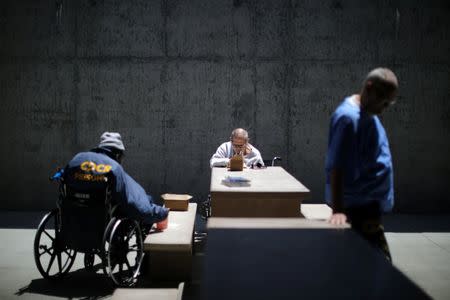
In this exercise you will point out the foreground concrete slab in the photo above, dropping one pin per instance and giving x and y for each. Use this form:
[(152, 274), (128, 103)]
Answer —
[(421, 255), (286, 263)]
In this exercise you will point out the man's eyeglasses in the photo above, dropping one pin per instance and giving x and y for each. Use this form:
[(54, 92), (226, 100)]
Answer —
[(238, 146)]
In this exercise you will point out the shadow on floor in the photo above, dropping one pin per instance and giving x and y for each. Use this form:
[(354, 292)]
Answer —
[(83, 284), (78, 284), (417, 223)]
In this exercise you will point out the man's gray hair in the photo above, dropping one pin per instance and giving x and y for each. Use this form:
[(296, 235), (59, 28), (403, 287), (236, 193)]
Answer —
[(239, 132), (384, 76)]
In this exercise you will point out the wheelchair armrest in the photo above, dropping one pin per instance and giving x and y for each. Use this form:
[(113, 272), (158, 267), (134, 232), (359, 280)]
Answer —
[(271, 162)]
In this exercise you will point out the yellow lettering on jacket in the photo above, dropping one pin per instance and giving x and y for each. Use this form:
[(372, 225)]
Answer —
[(89, 166), (89, 177)]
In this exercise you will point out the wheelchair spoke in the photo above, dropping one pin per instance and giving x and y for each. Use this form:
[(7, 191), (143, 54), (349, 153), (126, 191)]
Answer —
[(113, 266), (67, 261), (52, 259), (49, 236), (55, 223), (130, 235), (46, 250), (128, 264), (65, 265), (59, 262)]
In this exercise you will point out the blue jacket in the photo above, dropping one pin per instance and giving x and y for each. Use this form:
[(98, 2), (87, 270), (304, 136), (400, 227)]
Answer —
[(87, 170)]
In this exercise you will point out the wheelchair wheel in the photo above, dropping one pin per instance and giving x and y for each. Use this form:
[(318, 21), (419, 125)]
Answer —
[(124, 252), (52, 258)]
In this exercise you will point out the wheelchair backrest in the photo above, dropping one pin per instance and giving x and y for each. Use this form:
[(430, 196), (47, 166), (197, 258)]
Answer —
[(85, 211), (88, 197)]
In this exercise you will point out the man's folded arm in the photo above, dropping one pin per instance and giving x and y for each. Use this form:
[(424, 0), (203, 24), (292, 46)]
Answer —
[(219, 162), (220, 158)]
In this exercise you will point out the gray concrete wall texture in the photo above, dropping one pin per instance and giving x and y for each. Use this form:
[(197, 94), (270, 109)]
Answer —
[(175, 77)]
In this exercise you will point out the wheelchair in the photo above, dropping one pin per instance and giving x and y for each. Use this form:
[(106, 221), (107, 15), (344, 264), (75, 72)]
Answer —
[(87, 221)]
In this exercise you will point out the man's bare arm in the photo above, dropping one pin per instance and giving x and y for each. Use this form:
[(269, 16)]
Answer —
[(337, 193)]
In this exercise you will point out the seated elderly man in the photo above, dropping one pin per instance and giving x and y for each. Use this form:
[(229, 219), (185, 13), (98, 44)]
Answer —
[(238, 145), (88, 167)]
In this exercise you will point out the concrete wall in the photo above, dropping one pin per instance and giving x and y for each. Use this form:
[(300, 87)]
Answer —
[(175, 77)]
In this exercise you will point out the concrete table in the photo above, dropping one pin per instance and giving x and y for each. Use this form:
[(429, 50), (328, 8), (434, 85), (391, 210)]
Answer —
[(273, 192), (296, 259)]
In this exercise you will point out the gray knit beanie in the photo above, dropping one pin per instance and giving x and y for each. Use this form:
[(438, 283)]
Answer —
[(111, 140)]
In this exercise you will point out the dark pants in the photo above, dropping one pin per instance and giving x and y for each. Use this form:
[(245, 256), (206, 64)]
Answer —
[(366, 221)]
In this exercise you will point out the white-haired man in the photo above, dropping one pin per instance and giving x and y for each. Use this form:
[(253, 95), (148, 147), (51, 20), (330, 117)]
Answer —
[(238, 145), (359, 182)]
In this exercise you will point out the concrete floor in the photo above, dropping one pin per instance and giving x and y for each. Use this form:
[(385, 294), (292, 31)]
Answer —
[(420, 247)]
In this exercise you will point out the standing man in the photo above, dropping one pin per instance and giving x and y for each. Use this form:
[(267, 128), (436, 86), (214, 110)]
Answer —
[(238, 145), (359, 175)]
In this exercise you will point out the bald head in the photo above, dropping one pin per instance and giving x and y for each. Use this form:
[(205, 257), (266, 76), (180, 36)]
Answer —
[(379, 90), (382, 76)]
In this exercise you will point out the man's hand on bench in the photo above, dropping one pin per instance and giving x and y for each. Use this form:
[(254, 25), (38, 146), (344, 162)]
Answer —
[(162, 225)]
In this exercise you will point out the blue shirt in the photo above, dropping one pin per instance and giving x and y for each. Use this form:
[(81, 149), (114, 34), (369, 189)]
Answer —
[(358, 146), (86, 170)]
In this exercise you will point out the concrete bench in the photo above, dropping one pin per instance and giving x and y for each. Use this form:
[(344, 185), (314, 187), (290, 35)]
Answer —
[(146, 294), (170, 251)]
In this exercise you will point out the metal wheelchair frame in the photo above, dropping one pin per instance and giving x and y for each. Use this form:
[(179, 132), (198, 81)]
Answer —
[(119, 244)]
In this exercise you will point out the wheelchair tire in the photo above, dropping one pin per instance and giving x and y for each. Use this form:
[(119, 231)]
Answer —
[(106, 235), (125, 252), (48, 247)]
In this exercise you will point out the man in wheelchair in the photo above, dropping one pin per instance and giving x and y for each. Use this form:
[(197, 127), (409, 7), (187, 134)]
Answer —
[(90, 168), (101, 211)]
